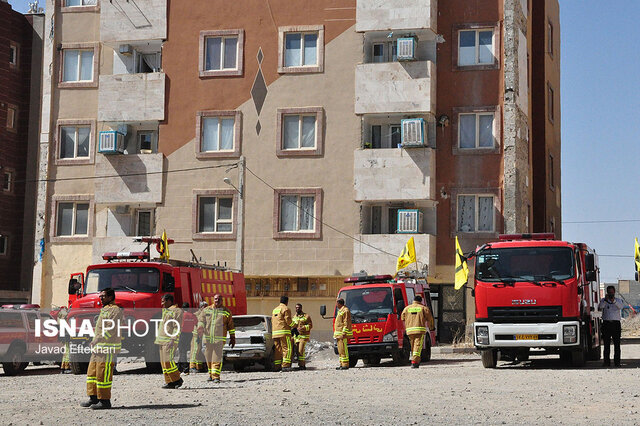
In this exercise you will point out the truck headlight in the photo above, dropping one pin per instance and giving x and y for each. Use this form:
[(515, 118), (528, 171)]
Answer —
[(569, 334), (390, 337), (482, 335)]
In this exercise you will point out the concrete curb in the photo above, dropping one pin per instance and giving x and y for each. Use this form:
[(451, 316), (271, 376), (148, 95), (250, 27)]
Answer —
[(452, 350)]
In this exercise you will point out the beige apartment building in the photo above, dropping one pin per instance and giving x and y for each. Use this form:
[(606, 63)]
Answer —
[(296, 144)]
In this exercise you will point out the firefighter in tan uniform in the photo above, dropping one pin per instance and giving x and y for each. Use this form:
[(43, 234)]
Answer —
[(415, 317), (167, 337), (197, 360), (342, 331), (216, 321), (303, 325), (282, 322), (104, 347)]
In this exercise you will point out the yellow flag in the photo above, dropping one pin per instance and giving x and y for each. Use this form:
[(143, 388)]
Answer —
[(408, 255), (462, 270), (636, 255), (165, 246)]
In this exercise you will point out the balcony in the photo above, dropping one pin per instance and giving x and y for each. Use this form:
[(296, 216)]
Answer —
[(383, 15), (131, 97), (395, 174), (126, 20), (373, 261), (396, 87), (138, 187)]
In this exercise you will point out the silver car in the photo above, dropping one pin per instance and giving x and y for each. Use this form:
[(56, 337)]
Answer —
[(254, 344)]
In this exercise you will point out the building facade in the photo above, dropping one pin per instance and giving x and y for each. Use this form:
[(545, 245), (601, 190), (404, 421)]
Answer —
[(297, 144), (20, 72)]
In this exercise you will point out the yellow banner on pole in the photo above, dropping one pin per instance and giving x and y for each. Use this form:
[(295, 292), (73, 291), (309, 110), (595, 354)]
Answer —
[(462, 270), (408, 255)]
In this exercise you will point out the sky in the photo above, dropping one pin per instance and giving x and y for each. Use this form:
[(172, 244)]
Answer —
[(600, 98)]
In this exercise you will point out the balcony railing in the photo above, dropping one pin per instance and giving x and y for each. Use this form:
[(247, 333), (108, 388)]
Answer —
[(366, 257), (383, 15), (136, 178), (127, 20), (131, 97)]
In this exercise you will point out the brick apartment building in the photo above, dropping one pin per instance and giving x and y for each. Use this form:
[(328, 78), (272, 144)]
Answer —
[(20, 71), (298, 144)]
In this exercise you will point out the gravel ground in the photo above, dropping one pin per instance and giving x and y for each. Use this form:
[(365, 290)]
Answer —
[(451, 389)]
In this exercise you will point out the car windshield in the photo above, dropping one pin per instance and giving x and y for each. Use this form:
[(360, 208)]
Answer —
[(249, 324), (366, 304), (525, 264), (145, 280)]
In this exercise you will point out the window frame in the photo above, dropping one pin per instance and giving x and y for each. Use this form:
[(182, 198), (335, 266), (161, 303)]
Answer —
[(237, 134), (494, 192), (151, 221), (12, 125), (477, 116), (81, 8), (388, 48), (93, 83), (6, 237), (92, 142), (479, 110), (11, 174), (550, 38), (551, 175), (154, 141), (477, 213), (15, 48), (202, 51), (302, 29), (75, 199), (477, 27), (316, 234), (550, 102), (214, 193), (318, 151)]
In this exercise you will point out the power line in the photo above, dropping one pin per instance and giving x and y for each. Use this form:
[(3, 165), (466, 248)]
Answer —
[(602, 221)]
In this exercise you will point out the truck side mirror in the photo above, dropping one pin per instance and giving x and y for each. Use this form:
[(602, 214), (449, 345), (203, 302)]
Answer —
[(590, 276), (323, 310), (73, 286), (580, 290), (589, 263)]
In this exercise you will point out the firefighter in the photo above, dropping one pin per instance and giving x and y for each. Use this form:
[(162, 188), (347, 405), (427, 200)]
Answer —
[(282, 322), (303, 325), (104, 347), (415, 317), (216, 321), (65, 367), (197, 360), (342, 332), (167, 338)]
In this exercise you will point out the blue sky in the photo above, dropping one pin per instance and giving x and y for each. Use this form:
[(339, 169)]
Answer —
[(600, 105)]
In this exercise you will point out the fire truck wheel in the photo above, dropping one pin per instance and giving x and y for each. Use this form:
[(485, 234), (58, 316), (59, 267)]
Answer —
[(371, 360), (579, 357), (523, 355), (489, 358), (77, 367), (403, 356), (352, 361), (426, 352), (14, 365), (594, 353)]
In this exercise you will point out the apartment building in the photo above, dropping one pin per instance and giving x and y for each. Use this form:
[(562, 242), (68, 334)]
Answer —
[(297, 144), (20, 72)]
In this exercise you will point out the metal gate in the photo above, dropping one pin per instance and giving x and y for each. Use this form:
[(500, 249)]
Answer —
[(451, 313)]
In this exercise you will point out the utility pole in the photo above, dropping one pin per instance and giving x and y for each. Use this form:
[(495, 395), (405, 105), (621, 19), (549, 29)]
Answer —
[(240, 236)]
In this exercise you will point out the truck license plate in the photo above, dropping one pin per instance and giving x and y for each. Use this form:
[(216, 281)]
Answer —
[(526, 337)]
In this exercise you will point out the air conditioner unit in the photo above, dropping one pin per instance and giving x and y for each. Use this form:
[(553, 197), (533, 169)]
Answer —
[(125, 49), (412, 132), (410, 221), (111, 142), (407, 47)]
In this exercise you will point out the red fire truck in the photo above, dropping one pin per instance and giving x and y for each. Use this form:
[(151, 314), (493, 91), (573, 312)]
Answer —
[(140, 283), (534, 292), (376, 303)]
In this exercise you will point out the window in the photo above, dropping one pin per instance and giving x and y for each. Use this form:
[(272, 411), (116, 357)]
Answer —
[(550, 38), (78, 65), (72, 219), (475, 47), (74, 3), (146, 141), (7, 181), (301, 49), (221, 53), (13, 55), (4, 245), (476, 213), (551, 176), (384, 136), (384, 52), (215, 214), (144, 223), (12, 118), (297, 213), (74, 141), (550, 101), (299, 131), (218, 134), (476, 131)]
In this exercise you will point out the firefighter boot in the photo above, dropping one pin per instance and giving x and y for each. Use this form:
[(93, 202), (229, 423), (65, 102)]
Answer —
[(103, 404), (93, 399)]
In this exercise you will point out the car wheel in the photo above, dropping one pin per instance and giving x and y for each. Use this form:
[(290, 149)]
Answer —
[(14, 364), (269, 364)]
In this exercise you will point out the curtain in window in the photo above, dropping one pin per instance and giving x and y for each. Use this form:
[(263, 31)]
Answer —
[(291, 131), (230, 49), (207, 214), (467, 48), (485, 139), (485, 214), (226, 134), (467, 130), (396, 136), (485, 48), (82, 219), (65, 218), (210, 134), (466, 213), (152, 60), (86, 67), (292, 50), (70, 72), (225, 206), (83, 141), (307, 213), (67, 142), (212, 57), (144, 224), (378, 53), (308, 132), (310, 49), (288, 213)]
